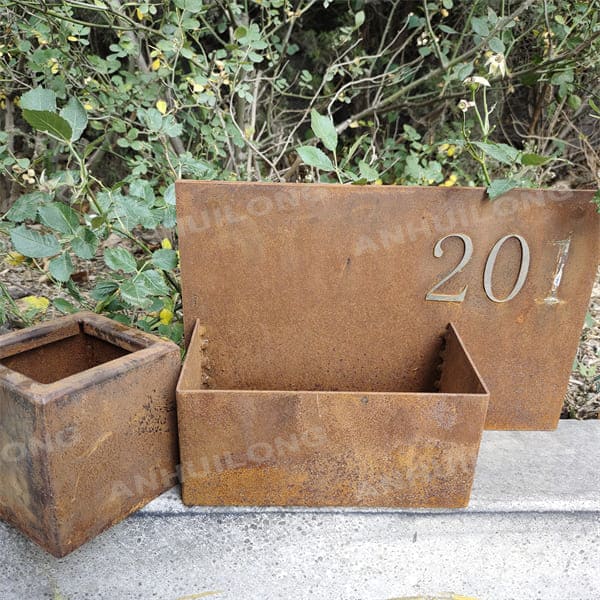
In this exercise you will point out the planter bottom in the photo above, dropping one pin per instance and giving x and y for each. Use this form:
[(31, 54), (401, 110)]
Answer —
[(331, 448)]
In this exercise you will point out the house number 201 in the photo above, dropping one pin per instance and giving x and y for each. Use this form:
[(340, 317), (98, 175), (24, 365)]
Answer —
[(488, 272)]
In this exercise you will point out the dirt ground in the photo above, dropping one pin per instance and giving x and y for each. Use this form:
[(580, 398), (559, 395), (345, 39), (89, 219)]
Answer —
[(582, 400)]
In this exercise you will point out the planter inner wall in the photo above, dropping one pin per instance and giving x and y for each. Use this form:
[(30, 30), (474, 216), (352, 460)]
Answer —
[(52, 361)]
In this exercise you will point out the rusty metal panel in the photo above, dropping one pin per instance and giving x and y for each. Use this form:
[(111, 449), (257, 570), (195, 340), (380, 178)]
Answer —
[(87, 426), (332, 448), (305, 283)]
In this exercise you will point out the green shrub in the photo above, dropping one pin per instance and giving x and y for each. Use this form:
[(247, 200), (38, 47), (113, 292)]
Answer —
[(106, 104)]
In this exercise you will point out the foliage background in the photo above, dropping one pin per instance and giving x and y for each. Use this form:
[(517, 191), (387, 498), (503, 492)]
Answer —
[(285, 90)]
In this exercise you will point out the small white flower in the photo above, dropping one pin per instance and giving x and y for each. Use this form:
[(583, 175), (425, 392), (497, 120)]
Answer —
[(464, 105), (476, 80), (496, 65)]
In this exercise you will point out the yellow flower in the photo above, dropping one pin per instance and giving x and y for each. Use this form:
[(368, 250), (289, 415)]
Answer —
[(72, 38), (450, 181), (166, 244), (451, 150), (38, 303), (14, 259), (155, 66), (54, 67), (161, 106), (139, 14), (166, 316), (87, 106)]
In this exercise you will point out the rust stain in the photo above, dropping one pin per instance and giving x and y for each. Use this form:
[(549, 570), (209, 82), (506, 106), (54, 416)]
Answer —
[(265, 447), (69, 390), (327, 290)]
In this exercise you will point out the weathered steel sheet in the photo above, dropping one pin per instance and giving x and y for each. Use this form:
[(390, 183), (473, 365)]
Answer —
[(87, 426), (330, 287), (332, 448)]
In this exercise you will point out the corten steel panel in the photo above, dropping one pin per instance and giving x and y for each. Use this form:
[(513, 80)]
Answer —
[(87, 426), (332, 448), (298, 283)]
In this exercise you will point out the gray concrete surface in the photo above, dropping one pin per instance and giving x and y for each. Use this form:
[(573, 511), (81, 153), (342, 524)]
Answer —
[(532, 531)]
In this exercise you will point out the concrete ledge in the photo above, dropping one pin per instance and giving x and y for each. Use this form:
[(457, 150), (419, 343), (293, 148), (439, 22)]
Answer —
[(532, 531)]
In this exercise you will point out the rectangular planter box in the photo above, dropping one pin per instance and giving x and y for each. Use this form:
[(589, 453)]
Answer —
[(347, 282), (87, 426), (324, 447)]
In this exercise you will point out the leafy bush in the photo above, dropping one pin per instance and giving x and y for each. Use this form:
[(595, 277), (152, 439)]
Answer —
[(105, 104)]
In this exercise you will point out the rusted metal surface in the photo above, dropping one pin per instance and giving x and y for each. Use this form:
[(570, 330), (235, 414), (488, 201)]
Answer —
[(298, 284), (87, 426), (333, 448)]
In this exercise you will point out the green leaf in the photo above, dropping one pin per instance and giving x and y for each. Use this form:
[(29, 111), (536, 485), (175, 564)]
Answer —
[(240, 33), (103, 290), (60, 217), (85, 243), (76, 116), (501, 152), (497, 45), (120, 259), (153, 119), (64, 307), (324, 128), (61, 267), (359, 19), (51, 123), (26, 206), (596, 200), (447, 29), (33, 244), (192, 6), (135, 293), (314, 157), (534, 160), (165, 259), (169, 195), (498, 187), (39, 99), (480, 26), (574, 101), (367, 172), (154, 282)]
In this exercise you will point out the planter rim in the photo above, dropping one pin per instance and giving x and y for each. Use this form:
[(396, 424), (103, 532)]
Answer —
[(122, 336), (378, 188)]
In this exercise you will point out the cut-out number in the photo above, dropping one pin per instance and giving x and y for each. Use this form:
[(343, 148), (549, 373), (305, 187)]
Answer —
[(438, 253), (491, 262)]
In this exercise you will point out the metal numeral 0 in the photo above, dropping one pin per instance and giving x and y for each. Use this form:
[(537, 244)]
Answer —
[(491, 262), (438, 253)]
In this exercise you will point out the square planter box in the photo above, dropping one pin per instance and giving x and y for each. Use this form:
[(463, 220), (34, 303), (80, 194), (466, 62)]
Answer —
[(387, 448), (87, 426)]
